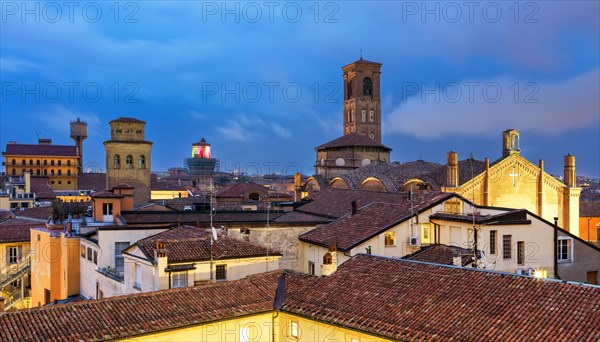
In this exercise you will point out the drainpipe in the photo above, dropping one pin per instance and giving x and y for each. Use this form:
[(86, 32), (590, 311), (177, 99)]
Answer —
[(556, 248)]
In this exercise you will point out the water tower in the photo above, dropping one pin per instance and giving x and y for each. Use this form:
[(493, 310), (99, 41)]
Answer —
[(79, 134)]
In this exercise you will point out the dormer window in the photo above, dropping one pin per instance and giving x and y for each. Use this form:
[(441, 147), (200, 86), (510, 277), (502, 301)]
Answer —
[(327, 259)]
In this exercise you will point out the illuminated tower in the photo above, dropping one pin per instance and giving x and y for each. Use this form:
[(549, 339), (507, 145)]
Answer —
[(362, 101), (201, 165), (79, 134), (128, 157)]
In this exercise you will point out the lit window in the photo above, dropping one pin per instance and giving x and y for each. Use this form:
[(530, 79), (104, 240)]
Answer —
[(506, 246), (390, 239), (179, 279), (564, 249), (294, 329), (426, 233), (221, 272)]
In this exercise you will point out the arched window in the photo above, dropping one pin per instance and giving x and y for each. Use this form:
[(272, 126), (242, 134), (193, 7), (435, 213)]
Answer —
[(142, 162), (37, 162), (68, 163), (129, 161), (327, 259), (117, 161), (37, 172), (371, 115), (349, 90), (45, 172), (59, 162), (23, 162), (363, 115), (30, 162), (30, 171), (45, 163), (14, 172), (51, 172), (68, 172), (367, 87), (14, 162), (52, 163), (60, 172), (254, 196)]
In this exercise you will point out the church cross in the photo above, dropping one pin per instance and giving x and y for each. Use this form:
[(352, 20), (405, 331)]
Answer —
[(514, 175)]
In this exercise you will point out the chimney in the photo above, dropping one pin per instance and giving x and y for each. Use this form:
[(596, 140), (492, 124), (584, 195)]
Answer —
[(161, 249), (570, 178), (1, 304), (486, 162), (541, 164), (353, 212), (452, 170)]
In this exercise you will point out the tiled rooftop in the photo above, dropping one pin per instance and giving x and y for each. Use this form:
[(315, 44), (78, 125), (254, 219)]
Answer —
[(352, 139), (187, 244), (370, 220), (40, 150), (191, 218), (17, 230), (242, 189), (390, 298), (40, 213), (443, 254), (127, 120), (92, 181)]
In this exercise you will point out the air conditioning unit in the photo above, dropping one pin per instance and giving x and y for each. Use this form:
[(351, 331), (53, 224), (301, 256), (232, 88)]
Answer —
[(413, 241), (522, 271)]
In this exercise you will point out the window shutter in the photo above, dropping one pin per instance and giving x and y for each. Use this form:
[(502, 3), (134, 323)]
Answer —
[(19, 253), (7, 255)]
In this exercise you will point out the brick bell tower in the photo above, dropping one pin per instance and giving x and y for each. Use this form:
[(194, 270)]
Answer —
[(362, 101)]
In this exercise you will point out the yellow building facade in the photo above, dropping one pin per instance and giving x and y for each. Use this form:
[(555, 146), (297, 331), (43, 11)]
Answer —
[(57, 162)]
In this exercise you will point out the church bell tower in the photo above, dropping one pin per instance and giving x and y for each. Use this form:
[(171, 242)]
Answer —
[(362, 101)]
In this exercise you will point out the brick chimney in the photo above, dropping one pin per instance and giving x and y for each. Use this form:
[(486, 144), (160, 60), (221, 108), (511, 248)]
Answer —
[(570, 177), (452, 170)]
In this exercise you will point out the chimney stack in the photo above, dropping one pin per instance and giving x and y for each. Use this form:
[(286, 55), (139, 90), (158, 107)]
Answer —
[(452, 170), (353, 208), (570, 177), (541, 164)]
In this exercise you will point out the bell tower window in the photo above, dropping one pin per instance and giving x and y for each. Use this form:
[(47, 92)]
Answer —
[(367, 87), (349, 90)]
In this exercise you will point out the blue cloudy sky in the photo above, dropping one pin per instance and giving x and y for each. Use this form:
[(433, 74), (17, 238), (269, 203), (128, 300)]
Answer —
[(261, 81)]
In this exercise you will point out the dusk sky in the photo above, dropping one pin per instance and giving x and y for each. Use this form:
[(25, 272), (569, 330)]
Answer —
[(262, 81)]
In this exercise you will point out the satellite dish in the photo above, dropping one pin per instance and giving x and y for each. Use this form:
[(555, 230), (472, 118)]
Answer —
[(214, 233)]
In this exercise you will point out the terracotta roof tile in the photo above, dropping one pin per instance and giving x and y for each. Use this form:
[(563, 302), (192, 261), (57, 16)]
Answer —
[(241, 189), (352, 139), (191, 218), (443, 254), (410, 300), (105, 194), (17, 230), (42, 213), (370, 220), (127, 120), (126, 316), (41, 150), (92, 181), (187, 244)]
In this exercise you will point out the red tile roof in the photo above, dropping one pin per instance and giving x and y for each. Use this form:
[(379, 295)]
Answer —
[(242, 189), (191, 218), (188, 244), (105, 194), (42, 213), (17, 230), (5, 215), (350, 140), (410, 301), (390, 298), (165, 186), (126, 316), (369, 221), (127, 120), (334, 203), (92, 181), (40, 150), (443, 254), (589, 209)]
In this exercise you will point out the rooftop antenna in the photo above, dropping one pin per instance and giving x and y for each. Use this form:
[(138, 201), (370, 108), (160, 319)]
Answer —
[(361, 54), (473, 216)]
